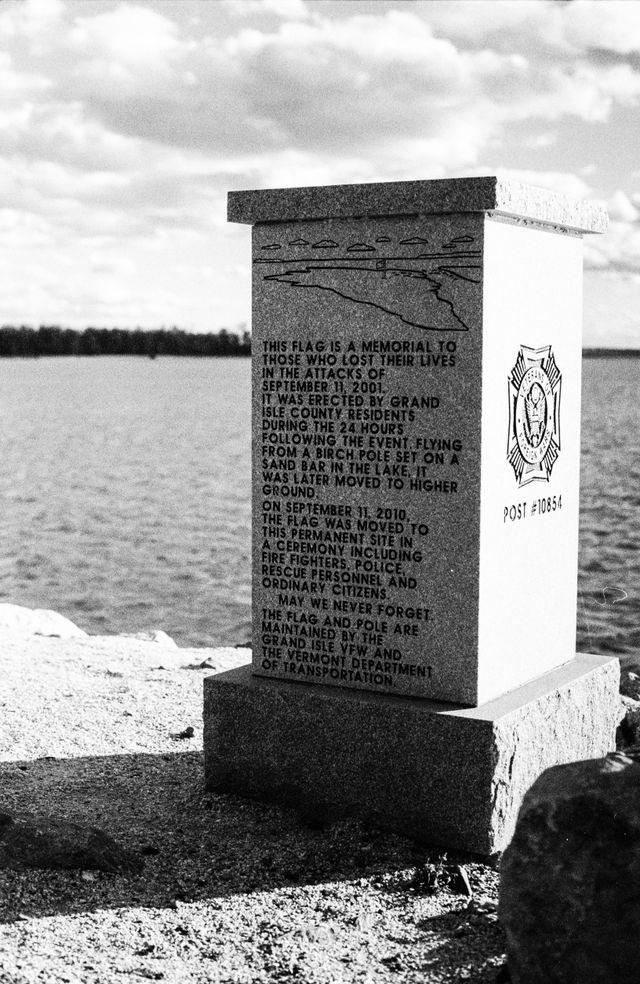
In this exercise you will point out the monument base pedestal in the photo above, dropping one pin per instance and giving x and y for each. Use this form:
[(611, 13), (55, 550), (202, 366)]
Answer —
[(442, 774)]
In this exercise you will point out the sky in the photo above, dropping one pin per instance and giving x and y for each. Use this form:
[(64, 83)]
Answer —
[(123, 125)]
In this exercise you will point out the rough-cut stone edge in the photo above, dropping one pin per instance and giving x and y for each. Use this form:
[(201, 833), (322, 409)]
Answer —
[(484, 194), (570, 713), (595, 697)]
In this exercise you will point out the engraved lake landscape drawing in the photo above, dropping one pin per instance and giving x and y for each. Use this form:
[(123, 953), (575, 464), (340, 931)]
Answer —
[(420, 283)]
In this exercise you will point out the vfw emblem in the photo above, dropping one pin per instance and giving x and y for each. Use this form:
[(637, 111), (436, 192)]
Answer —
[(534, 414)]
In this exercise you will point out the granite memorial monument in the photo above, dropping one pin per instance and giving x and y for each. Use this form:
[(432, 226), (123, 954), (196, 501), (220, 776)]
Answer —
[(416, 445)]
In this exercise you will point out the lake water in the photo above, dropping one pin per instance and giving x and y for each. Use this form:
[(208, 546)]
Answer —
[(125, 496), (125, 493), (609, 560)]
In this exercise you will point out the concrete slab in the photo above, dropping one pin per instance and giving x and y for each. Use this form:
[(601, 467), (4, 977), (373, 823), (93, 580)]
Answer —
[(437, 772)]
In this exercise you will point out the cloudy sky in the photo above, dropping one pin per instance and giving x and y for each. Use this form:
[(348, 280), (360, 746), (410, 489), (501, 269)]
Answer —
[(124, 124)]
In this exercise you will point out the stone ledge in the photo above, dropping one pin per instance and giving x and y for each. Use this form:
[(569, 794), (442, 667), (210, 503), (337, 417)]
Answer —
[(485, 194), (439, 773)]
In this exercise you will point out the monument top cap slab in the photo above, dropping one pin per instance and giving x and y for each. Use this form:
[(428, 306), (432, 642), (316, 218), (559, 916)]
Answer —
[(485, 194)]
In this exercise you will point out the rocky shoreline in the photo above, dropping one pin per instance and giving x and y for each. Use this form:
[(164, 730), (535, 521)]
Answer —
[(97, 731), (150, 876)]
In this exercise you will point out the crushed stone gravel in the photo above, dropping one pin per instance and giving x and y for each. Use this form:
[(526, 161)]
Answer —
[(108, 731)]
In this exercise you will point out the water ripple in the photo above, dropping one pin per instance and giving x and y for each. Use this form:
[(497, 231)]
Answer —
[(125, 497), (125, 484)]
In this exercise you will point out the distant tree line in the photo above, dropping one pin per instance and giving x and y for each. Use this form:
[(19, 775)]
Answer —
[(609, 353), (54, 340)]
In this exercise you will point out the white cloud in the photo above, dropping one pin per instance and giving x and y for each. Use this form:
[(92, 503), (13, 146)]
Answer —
[(561, 181), (622, 209), (569, 28), (614, 25), (617, 252), (493, 23), (31, 20), (129, 83), (111, 263), (536, 141), (287, 9), (316, 85), (129, 37), (127, 122), (611, 309), (618, 249)]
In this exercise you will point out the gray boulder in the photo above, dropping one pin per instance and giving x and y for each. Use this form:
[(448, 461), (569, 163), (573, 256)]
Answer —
[(37, 621), (629, 727), (630, 677), (570, 879), (48, 842)]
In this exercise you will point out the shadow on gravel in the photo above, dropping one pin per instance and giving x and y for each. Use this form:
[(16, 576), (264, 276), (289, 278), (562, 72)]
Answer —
[(465, 932), (196, 845)]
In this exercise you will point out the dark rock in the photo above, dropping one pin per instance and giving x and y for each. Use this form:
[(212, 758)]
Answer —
[(630, 677), (182, 735), (427, 879), (48, 842), (569, 899), (145, 950), (392, 962), (629, 727)]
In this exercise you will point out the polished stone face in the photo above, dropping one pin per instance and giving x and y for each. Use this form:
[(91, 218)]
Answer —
[(416, 397), (415, 503), (367, 386)]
